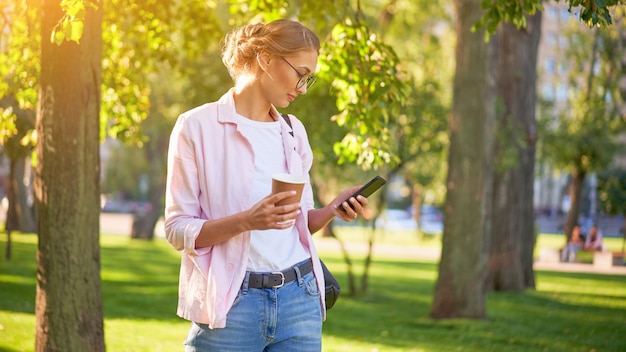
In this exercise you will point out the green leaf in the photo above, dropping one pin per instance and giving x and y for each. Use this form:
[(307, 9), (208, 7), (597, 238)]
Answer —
[(76, 30), (67, 27), (57, 37)]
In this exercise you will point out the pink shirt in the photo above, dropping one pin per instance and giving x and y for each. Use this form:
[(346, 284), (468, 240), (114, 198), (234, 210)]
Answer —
[(209, 175)]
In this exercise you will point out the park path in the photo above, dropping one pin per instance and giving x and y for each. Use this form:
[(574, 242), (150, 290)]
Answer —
[(112, 223)]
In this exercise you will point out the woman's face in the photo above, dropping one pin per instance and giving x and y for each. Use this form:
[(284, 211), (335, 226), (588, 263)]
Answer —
[(281, 76)]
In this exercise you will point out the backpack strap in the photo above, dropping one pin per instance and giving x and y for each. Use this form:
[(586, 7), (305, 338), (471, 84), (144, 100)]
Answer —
[(288, 120)]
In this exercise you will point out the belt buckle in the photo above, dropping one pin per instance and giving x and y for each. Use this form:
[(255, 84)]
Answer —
[(282, 276)]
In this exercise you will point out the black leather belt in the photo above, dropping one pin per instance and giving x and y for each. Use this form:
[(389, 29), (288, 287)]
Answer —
[(279, 278)]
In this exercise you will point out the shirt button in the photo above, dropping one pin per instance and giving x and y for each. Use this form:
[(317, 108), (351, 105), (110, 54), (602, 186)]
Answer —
[(229, 267)]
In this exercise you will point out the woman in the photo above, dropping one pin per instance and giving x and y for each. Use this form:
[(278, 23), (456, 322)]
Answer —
[(250, 279), (593, 242), (573, 245)]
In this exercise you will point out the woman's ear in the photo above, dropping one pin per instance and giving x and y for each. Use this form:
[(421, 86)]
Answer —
[(263, 59)]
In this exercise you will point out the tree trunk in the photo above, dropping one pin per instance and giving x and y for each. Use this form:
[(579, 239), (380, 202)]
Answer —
[(25, 217), (20, 215), (510, 265), (575, 196), (460, 288), (330, 232), (68, 301), (12, 220), (144, 222)]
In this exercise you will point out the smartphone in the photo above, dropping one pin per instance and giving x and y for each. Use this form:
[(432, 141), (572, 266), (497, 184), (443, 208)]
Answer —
[(372, 186)]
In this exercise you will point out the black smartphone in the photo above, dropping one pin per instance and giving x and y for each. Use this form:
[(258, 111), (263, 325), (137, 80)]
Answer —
[(372, 186)]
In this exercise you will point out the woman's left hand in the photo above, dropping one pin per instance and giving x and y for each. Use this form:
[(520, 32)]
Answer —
[(353, 206)]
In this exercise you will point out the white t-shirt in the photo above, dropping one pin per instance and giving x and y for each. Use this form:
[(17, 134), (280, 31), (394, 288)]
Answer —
[(270, 250)]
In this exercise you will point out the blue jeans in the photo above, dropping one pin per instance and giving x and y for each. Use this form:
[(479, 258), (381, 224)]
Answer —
[(288, 318), (569, 252)]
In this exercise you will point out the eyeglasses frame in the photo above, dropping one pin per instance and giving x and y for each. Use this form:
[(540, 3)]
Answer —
[(307, 80)]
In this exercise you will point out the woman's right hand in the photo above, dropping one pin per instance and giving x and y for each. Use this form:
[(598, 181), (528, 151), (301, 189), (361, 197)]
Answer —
[(263, 215), (266, 214)]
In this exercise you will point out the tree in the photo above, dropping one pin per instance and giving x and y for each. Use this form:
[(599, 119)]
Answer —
[(420, 131), (612, 195), (415, 128), (69, 304), (18, 98), (459, 290), (510, 265), (581, 138), (18, 148)]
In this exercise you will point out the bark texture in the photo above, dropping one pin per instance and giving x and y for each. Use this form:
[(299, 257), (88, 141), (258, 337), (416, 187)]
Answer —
[(510, 266), (460, 289), (68, 300)]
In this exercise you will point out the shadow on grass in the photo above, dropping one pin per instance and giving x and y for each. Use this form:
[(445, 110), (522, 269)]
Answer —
[(395, 314), (139, 278), (18, 275)]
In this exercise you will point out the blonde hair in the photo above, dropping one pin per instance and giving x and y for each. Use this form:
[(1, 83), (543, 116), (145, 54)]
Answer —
[(279, 38)]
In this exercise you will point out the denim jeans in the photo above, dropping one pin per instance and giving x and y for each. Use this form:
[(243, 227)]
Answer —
[(569, 252), (288, 318)]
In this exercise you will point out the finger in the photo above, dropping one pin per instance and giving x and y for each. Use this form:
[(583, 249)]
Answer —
[(356, 205), (286, 221), (347, 215), (288, 209), (348, 204), (363, 201), (287, 215), (284, 224), (277, 197)]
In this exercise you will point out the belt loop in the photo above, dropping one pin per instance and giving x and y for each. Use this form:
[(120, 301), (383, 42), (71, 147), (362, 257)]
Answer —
[(298, 275), (246, 282), (265, 280)]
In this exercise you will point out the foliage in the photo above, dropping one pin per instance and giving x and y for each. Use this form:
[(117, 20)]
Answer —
[(70, 27), (138, 35), (595, 12), (19, 46), (140, 39), (583, 135), (417, 129), (419, 132), (369, 90), (128, 167), (497, 12), (243, 12), (592, 13), (612, 191)]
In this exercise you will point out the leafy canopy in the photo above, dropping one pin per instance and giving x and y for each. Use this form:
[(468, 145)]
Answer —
[(592, 12)]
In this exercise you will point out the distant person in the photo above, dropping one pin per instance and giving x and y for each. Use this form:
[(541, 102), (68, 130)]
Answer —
[(594, 239), (573, 245)]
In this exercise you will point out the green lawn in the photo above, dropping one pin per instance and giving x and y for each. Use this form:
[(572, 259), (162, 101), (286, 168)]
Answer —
[(567, 312)]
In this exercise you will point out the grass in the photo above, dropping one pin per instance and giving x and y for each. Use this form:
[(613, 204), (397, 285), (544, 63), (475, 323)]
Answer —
[(567, 311)]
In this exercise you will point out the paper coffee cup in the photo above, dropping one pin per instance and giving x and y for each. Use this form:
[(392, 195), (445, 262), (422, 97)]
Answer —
[(288, 182)]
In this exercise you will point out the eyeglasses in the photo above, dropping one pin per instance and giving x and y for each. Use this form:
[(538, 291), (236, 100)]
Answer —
[(307, 80)]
